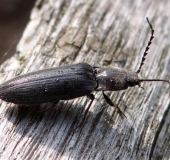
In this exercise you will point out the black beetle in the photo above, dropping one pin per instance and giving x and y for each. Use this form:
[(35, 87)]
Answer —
[(72, 81)]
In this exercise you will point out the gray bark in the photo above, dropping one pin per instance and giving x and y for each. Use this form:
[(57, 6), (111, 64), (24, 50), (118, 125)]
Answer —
[(102, 33)]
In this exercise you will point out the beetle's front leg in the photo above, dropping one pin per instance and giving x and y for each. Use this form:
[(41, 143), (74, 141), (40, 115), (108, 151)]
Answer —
[(108, 100)]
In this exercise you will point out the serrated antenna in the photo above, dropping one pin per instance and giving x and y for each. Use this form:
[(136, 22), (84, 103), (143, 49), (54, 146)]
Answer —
[(147, 47)]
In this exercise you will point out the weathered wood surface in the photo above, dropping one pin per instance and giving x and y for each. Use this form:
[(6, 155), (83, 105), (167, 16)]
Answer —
[(99, 32)]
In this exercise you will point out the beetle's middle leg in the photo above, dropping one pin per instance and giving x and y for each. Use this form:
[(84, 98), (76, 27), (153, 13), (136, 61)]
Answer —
[(108, 100), (91, 97)]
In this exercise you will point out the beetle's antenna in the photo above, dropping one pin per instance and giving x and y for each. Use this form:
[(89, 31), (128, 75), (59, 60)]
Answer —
[(145, 53), (147, 47), (159, 80)]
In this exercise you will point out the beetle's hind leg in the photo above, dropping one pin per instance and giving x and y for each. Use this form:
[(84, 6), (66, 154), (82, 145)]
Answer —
[(108, 100), (47, 109)]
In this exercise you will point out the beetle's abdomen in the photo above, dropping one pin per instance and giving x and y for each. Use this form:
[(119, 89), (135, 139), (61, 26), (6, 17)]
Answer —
[(60, 83)]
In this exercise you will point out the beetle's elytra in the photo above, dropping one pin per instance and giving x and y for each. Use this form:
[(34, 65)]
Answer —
[(72, 81), (49, 85)]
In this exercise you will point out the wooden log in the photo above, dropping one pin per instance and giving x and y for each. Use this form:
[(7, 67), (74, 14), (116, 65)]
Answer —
[(102, 33)]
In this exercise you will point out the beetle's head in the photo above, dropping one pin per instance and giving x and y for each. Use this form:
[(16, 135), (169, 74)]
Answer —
[(132, 79)]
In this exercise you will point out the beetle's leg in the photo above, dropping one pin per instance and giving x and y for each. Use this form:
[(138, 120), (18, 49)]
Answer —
[(108, 100), (55, 102), (90, 96)]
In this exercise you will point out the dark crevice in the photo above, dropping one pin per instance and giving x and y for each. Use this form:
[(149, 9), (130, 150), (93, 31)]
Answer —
[(158, 132)]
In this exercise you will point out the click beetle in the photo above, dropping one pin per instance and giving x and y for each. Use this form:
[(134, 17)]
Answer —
[(72, 81)]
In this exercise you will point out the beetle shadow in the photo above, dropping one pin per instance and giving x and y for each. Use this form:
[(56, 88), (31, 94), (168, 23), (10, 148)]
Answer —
[(38, 123), (33, 113), (36, 113)]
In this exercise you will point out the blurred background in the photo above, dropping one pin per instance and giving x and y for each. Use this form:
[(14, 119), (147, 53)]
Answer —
[(14, 15)]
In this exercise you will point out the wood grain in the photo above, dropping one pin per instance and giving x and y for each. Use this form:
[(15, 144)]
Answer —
[(102, 33)]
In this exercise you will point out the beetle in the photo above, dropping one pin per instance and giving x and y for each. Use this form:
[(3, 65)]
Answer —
[(72, 81)]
